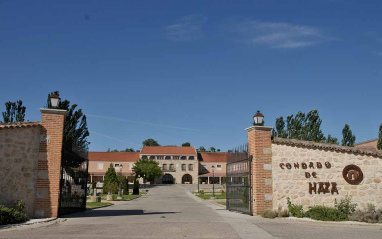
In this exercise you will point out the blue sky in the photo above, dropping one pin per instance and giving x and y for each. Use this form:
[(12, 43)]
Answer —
[(195, 71)]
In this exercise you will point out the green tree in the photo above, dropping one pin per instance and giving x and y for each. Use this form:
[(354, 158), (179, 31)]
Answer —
[(301, 126), (147, 167), (129, 150), (280, 128), (379, 145), (75, 128), (150, 142), (136, 187), (187, 144), (212, 149), (331, 140), (125, 186), (14, 112), (218, 150), (110, 178), (348, 139), (201, 149)]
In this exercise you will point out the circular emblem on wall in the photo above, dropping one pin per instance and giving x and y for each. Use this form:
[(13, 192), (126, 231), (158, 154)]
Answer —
[(352, 174)]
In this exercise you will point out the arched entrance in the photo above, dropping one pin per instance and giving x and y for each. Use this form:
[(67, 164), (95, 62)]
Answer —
[(186, 179), (168, 179)]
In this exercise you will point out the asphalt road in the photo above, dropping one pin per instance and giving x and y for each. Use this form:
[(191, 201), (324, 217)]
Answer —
[(173, 212)]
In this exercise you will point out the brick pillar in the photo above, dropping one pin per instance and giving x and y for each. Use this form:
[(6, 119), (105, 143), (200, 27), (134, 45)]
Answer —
[(260, 147), (49, 163)]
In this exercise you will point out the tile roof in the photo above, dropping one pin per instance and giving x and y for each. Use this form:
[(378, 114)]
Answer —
[(114, 156), (325, 146), (213, 157), (26, 124), (163, 150)]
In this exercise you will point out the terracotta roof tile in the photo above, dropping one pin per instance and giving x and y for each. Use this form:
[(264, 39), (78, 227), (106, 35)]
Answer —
[(169, 150), (326, 146), (114, 156), (26, 124), (213, 157)]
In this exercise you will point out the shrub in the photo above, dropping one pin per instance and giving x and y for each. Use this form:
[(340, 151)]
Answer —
[(283, 213), (110, 188), (324, 213), (223, 192), (201, 192), (12, 215), (125, 186), (295, 209), (269, 214), (136, 187), (370, 215), (345, 206)]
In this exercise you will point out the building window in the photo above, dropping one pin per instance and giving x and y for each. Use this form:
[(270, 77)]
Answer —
[(171, 166), (218, 166), (144, 156), (175, 157), (116, 165), (190, 167), (168, 157), (160, 157), (152, 157), (164, 166), (183, 157), (183, 167), (100, 166), (191, 158)]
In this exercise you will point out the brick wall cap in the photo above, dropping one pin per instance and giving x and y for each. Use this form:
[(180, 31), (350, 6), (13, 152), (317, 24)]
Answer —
[(310, 144), (265, 128), (53, 111)]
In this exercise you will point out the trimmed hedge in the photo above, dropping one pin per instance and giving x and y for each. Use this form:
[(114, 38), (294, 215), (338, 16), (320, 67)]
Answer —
[(12, 215)]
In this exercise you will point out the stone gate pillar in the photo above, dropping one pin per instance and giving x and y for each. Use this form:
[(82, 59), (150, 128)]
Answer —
[(260, 147), (49, 163)]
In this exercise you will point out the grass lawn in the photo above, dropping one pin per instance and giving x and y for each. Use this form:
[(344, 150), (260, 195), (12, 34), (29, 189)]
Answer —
[(90, 205), (208, 196), (125, 197)]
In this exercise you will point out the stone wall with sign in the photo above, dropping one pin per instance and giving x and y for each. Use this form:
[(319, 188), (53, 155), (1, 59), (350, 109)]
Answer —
[(316, 174), (19, 155)]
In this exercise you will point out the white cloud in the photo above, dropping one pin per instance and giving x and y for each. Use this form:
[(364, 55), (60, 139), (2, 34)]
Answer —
[(186, 29), (279, 34)]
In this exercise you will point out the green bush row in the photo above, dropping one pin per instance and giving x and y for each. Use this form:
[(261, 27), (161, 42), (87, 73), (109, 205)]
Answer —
[(342, 211), (12, 215)]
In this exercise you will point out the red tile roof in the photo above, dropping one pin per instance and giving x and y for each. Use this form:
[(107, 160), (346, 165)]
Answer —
[(114, 156), (26, 124), (167, 150), (213, 157)]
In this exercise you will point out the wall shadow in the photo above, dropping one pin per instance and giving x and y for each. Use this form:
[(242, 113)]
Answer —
[(113, 213)]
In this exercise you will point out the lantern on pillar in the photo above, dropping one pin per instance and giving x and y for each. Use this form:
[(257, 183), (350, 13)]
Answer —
[(54, 99), (258, 118)]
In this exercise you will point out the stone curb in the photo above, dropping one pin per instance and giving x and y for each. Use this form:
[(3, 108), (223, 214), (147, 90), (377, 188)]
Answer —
[(28, 223), (348, 223), (88, 209)]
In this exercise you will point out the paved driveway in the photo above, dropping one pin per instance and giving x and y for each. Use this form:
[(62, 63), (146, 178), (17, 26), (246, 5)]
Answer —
[(172, 212)]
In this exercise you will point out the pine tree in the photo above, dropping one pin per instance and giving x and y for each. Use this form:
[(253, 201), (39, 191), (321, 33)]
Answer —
[(331, 140), (379, 145), (14, 112), (125, 186), (136, 187), (110, 178), (348, 139), (280, 128)]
